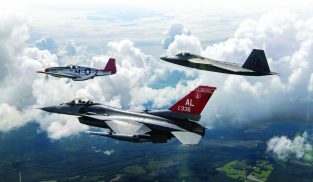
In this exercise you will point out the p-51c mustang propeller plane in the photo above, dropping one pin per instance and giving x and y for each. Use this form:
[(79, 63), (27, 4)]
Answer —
[(157, 126), (80, 73), (255, 65)]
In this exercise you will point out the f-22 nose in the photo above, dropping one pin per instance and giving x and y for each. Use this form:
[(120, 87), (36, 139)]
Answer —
[(168, 59), (164, 58)]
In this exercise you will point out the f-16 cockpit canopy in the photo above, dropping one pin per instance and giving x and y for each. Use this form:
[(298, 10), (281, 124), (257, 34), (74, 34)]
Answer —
[(80, 101), (72, 66)]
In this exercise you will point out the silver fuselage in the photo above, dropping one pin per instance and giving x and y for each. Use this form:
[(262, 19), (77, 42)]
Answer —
[(77, 73)]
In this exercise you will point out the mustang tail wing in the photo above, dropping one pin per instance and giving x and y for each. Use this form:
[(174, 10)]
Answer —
[(194, 102), (110, 66), (257, 62)]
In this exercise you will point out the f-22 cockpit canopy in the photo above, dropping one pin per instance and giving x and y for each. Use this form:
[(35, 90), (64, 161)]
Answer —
[(80, 101), (186, 55)]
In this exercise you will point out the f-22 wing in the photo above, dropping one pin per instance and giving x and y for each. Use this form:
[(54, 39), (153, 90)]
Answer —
[(206, 63)]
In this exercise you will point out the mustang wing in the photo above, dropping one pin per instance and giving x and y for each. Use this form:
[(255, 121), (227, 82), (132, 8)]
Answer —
[(59, 74)]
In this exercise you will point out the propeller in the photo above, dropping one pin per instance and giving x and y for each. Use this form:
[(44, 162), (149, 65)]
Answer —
[(47, 76)]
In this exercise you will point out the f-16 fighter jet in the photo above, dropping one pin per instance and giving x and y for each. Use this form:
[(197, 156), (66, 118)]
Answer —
[(157, 126), (255, 65), (80, 73)]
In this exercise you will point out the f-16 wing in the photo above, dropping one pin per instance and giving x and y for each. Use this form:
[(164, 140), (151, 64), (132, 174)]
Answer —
[(119, 127), (187, 138), (128, 128), (59, 74), (131, 129)]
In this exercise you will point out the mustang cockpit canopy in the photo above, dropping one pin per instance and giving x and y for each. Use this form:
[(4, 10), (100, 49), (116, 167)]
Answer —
[(72, 66)]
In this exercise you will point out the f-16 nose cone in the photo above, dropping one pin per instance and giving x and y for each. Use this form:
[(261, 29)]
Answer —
[(49, 109)]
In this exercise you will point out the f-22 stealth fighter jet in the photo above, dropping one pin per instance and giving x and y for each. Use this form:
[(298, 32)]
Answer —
[(80, 73), (157, 126), (255, 65)]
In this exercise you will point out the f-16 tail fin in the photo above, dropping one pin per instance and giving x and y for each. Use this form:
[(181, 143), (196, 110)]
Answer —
[(111, 66), (257, 62), (195, 101)]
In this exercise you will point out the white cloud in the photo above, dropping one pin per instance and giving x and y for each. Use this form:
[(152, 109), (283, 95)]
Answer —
[(184, 43), (47, 43), (287, 41), (14, 33), (31, 90), (106, 152), (59, 126), (237, 99), (109, 152), (284, 148), (9, 117), (70, 48), (175, 29)]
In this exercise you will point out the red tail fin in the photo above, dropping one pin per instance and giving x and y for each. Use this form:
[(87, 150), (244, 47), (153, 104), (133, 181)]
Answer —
[(110, 66), (195, 101)]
